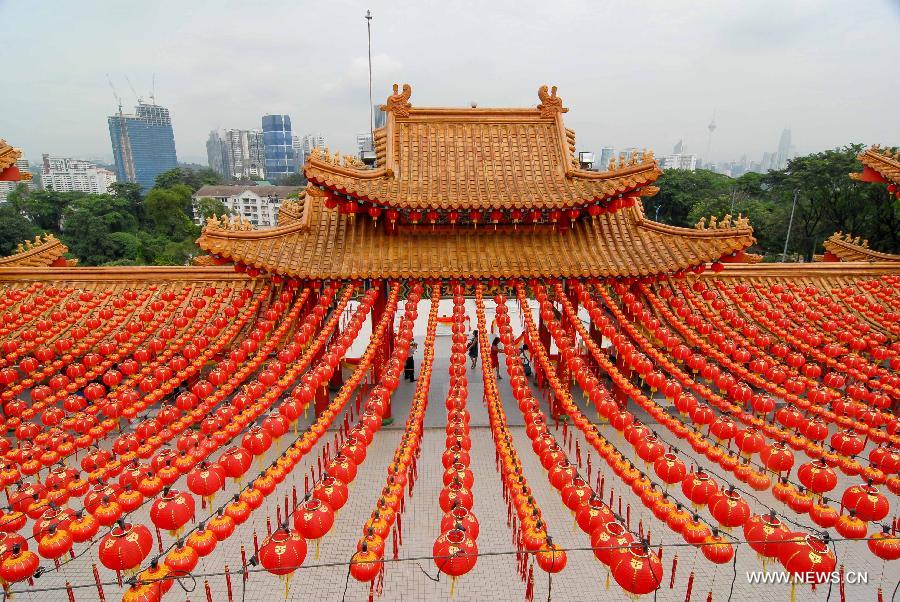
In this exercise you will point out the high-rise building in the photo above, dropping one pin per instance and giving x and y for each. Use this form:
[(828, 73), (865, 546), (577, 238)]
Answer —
[(678, 148), (245, 154), (307, 143), (378, 117), (784, 149), (678, 161), (74, 175), (143, 144), (606, 153), (365, 148), (279, 146), (7, 187), (216, 154)]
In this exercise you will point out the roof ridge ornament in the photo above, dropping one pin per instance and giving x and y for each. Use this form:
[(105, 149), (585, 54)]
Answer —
[(551, 104), (398, 102)]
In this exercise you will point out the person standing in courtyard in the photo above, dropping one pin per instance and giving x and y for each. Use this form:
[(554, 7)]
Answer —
[(473, 347), (496, 350), (409, 369)]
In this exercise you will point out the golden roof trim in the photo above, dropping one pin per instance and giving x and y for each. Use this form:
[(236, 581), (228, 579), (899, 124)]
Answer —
[(847, 248), (43, 251), (886, 162)]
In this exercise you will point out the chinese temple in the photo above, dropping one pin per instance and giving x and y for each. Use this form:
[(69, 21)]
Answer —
[(592, 403)]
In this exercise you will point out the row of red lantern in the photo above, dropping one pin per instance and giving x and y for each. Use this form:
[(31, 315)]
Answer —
[(96, 327), (815, 325), (858, 368), (89, 410), (50, 317), (55, 543), (47, 360), (171, 511), (330, 494), (60, 489), (751, 441), (871, 309), (848, 463), (531, 532), (367, 562), (455, 550), (728, 507), (633, 566), (44, 362), (107, 511), (833, 355), (351, 205), (842, 413), (667, 466), (873, 506), (184, 558)]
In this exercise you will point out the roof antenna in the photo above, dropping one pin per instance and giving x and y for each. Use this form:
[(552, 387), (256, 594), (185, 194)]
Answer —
[(371, 106)]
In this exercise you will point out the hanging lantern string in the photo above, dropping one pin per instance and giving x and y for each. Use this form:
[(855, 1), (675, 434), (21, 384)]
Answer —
[(249, 484), (743, 491), (498, 553), (643, 474), (655, 302), (43, 570)]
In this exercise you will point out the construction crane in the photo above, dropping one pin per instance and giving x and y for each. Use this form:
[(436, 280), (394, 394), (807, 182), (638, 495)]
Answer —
[(124, 142), (133, 91)]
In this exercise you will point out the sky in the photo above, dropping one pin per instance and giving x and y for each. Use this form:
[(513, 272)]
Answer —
[(639, 73)]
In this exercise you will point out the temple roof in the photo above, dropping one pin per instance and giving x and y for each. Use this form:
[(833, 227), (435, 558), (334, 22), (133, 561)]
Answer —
[(879, 165), (315, 242), (8, 157), (43, 251), (477, 158), (846, 248)]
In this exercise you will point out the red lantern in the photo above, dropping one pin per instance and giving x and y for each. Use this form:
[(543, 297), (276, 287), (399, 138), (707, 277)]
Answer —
[(808, 557), (125, 547), (637, 570), (172, 511), (281, 553), (455, 553)]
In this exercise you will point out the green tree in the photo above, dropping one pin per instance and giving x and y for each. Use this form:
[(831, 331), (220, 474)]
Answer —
[(208, 207), (680, 190), (89, 223), (131, 193), (14, 228), (293, 179), (192, 178), (164, 208), (44, 208)]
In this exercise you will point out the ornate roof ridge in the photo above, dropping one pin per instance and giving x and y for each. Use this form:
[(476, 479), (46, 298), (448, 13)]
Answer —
[(848, 248), (45, 250)]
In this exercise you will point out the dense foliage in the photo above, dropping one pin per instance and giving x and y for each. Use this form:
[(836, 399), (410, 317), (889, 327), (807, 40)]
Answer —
[(827, 201), (122, 227)]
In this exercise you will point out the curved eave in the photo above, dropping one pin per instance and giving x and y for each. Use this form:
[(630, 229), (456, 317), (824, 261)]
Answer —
[(339, 246), (594, 187), (847, 251)]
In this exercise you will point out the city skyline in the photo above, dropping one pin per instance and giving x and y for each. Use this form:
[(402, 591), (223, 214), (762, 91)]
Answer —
[(829, 71)]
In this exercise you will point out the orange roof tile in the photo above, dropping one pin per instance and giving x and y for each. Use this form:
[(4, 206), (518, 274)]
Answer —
[(328, 244), (477, 158)]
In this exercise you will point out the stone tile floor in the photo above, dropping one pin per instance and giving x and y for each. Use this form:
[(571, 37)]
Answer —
[(494, 577)]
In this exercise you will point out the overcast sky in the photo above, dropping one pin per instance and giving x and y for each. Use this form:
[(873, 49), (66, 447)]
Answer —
[(633, 73)]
